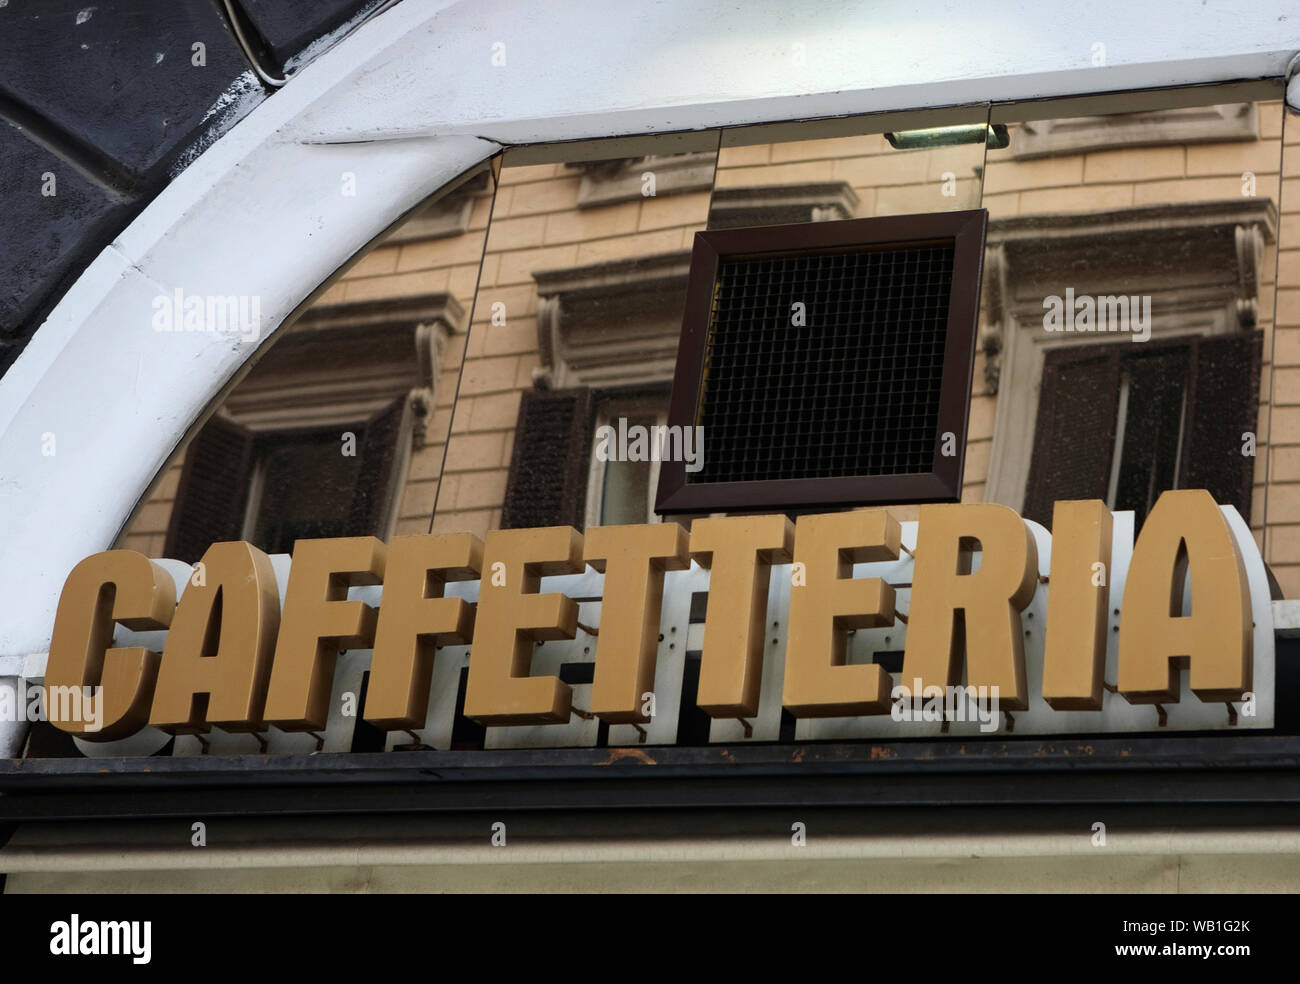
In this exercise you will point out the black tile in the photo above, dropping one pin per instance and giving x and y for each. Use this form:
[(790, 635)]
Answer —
[(46, 240), (119, 76)]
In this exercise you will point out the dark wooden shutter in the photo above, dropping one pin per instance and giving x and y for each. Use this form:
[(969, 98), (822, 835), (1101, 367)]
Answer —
[(1222, 404), (550, 462), (213, 490), (1074, 439), (377, 468)]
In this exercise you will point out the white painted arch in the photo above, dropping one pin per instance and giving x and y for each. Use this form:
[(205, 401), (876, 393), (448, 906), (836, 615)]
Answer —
[(410, 101)]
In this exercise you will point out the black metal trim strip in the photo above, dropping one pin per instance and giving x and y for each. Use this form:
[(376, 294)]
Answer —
[(1201, 769), (1173, 788), (1074, 754)]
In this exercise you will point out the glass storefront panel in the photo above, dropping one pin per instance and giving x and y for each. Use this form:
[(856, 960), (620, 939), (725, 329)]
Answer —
[(1157, 226), (507, 362), (1282, 539)]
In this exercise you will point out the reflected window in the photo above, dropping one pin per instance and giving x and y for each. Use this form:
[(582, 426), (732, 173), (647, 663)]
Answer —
[(1055, 368), (304, 486), (318, 440), (1123, 422), (273, 488), (624, 472), (1148, 431)]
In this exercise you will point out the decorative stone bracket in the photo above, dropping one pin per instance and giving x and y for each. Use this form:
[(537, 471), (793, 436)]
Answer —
[(431, 339)]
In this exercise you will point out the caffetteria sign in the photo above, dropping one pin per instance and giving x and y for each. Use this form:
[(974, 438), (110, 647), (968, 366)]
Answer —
[(1082, 629)]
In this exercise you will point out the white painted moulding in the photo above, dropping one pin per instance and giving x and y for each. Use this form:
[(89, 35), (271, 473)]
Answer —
[(18, 858)]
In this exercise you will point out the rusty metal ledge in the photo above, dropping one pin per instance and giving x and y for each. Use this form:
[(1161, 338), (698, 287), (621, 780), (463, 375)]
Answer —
[(1139, 769)]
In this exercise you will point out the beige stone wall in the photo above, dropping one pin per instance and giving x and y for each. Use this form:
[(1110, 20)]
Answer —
[(1282, 540), (537, 225), (147, 531)]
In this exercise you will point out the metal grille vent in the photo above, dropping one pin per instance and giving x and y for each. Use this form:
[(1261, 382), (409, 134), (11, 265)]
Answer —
[(853, 390), (827, 363)]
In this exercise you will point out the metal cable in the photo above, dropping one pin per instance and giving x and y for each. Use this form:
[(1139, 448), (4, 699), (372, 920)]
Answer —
[(262, 73)]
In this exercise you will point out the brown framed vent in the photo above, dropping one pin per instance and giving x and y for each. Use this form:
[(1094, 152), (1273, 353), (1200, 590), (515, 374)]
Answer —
[(825, 363)]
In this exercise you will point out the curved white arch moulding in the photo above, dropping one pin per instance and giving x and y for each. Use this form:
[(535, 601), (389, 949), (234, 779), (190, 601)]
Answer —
[(414, 98)]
